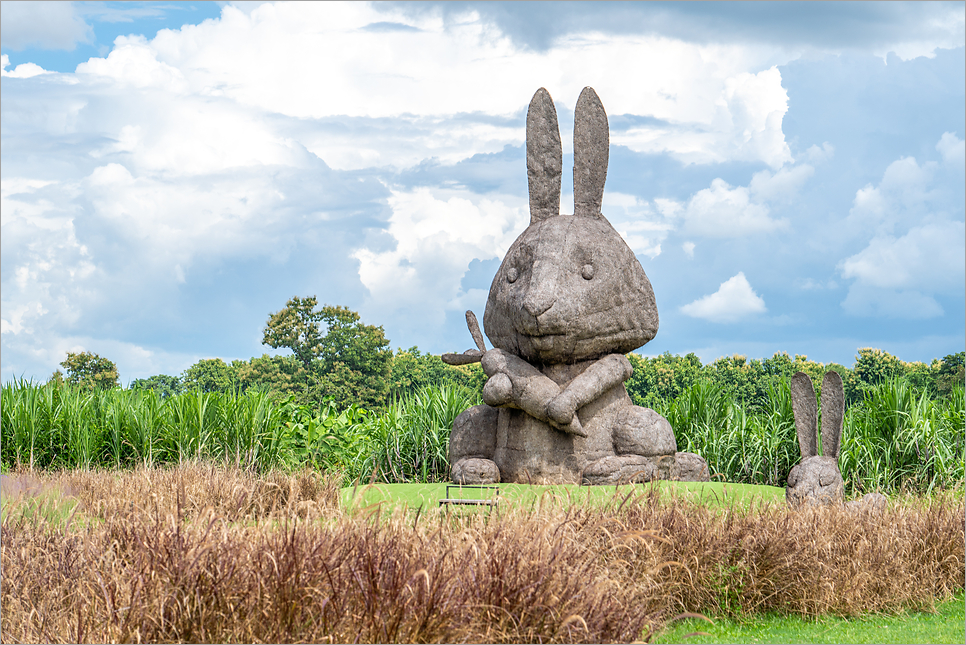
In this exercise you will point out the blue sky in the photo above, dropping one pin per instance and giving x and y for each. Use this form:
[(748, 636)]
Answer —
[(790, 175)]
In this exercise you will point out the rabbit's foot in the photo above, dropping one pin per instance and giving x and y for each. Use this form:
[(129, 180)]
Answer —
[(642, 431), (689, 467), (474, 434), (816, 480), (627, 469), (870, 502), (475, 472)]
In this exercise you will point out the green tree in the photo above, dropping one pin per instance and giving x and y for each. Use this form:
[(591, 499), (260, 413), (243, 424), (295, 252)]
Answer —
[(922, 376), (875, 366), (950, 373), (663, 377), (282, 374), (209, 375), (163, 384), (298, 328), (355, 359), (89, 370), (412, 370), (347, 360)]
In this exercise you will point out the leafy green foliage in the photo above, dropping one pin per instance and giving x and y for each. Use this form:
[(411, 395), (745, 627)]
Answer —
[(163, 384), (950, 373), (298, 328), (209, 375), (91, 371), (283, 375), (347, 361), (413, 370)]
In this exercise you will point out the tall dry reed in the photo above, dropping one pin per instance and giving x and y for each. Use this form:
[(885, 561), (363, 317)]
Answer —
[(200, 554)]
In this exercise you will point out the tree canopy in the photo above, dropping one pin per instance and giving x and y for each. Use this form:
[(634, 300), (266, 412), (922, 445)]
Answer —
[(87, 369), (345, 359)]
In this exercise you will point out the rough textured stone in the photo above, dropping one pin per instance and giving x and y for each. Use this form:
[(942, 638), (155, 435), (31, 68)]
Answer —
[(544, 156), (642, 431), (689, 467), (806, 413), (816, 480), (591, 152), (568, 301), (870, 503), (627, 469), (475, 472), (833, 413), (474, 434)]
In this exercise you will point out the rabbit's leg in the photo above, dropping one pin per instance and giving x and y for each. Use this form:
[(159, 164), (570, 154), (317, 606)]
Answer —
[(472, 444), (599, 377), (516, 383)]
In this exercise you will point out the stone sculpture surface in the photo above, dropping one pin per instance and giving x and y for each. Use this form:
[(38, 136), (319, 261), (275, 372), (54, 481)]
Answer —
[(569, 300), (817, 479)]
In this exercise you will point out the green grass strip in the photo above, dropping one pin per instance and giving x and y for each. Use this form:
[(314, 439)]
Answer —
[(413, 496), (944, 626)]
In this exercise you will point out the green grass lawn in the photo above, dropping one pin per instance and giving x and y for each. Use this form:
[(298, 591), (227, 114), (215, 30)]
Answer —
[(719, 494), (944, 626)]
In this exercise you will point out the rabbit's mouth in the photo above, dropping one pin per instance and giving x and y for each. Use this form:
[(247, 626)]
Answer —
[(543, 343)]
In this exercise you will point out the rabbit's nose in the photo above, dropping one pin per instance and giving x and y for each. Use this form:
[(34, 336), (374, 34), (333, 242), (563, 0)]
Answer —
[(539, 300)]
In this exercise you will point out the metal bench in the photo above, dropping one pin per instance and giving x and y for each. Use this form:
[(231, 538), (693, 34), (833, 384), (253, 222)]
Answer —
[(458, 501)]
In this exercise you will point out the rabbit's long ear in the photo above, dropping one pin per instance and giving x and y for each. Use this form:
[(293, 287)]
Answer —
[(806, 415), (833, 413), (591, 151), (544, 157)]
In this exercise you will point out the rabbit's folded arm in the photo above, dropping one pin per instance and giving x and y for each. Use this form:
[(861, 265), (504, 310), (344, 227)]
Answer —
[(602, 375), (515, 383)]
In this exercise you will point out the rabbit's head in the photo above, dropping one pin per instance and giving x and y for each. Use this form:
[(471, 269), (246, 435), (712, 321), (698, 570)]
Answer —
[(817, 479), (569, 288)]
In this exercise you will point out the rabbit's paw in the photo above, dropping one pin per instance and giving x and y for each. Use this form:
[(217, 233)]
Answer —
[(475, 472), (498, 390), (642, 431), (562, 408)]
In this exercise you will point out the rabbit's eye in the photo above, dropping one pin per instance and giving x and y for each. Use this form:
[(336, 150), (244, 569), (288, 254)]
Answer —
[(511, 274), (587, 272)]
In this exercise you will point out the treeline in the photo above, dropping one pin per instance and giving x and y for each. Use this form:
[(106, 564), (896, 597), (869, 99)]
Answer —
[(666, 377), (655, 380), (338, 358)]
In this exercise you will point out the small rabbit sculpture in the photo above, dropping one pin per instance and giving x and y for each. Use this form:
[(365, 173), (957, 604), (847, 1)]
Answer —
[(569, 300), (817, 479)]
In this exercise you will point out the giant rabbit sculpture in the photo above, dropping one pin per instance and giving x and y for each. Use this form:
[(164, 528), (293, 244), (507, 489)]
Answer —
[(569, 300)]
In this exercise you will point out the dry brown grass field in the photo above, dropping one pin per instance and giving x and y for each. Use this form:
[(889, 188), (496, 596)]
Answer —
[(200, 553)]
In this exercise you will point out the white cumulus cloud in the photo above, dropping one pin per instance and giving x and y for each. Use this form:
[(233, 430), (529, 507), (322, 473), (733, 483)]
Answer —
[(436, 234), (50, 25), (898, 277), (24, 70), (733, 301), (723, 211), (952, 148), (715, 109)]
